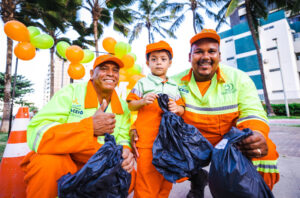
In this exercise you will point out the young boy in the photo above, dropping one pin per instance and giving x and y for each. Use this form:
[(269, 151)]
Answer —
[(143, 98)]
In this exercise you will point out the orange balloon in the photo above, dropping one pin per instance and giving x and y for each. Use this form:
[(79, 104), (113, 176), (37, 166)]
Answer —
[(128, 61), (17, 31), (24, 51), (109, 44), (76, 71), (133, 80), (74, 54)]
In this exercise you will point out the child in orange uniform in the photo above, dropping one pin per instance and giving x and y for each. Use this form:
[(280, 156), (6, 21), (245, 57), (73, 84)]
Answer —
[(143, 98)]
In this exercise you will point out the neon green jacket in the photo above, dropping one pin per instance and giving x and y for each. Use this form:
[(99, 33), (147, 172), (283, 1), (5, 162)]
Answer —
[(65, 124)]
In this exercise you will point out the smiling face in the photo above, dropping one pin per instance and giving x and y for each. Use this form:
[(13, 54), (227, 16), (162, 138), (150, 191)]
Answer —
[(105, 77), (205, 58), (159, 62)]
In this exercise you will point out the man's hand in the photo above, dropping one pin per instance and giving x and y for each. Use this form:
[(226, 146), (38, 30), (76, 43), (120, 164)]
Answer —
[(128, 162), (149, 98), (103, 122), (254, 146), (174, 108), (133, 139)]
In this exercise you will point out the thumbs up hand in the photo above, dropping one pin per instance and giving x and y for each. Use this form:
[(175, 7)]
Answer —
[(103, 122)]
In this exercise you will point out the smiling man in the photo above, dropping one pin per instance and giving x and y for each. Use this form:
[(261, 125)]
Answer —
[(219, 97), (71, 128)]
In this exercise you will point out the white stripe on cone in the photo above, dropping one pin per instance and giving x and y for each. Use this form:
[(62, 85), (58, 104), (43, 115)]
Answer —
[(20, 124), (16, 150)]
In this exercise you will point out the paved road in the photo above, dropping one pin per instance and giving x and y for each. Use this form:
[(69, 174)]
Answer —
[(287, 140)]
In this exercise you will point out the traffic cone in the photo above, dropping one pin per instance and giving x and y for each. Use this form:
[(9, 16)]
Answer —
[(11, 176)]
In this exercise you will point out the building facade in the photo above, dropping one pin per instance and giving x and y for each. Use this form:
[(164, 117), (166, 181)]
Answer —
[(279, 40)]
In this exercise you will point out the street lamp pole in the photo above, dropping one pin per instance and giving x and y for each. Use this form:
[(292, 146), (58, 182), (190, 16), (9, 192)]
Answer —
[(283, 85)]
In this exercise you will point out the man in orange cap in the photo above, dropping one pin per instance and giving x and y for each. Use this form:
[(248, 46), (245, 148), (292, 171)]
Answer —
[(143, 98), (218, 97), (70, 128)]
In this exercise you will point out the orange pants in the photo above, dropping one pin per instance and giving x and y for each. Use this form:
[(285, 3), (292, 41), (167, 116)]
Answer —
[(42, 171), (149, 182)]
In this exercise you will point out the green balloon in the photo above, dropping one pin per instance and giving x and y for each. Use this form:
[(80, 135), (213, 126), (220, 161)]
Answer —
[(121, 49), (135, 70), (33, 31), (133, 55), (128, 48), (42, 41), (61, 48), (88, 56)]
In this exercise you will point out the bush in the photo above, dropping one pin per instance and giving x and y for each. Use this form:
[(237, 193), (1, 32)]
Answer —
[(279, 109)]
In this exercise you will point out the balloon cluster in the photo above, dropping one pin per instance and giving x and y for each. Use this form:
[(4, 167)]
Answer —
[(29, 39), (131, 72), (76, 56)]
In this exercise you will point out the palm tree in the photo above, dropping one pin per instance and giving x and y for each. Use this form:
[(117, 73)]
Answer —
[(53, 18), (103, 12), (8, 10), (151, 16), (195, 6)]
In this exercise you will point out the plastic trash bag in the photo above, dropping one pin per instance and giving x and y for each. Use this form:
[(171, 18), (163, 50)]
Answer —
[(231, 173), (102, 176), (179, 150)]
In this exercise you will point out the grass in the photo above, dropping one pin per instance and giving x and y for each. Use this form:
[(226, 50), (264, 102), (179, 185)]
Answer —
[(3, 140)]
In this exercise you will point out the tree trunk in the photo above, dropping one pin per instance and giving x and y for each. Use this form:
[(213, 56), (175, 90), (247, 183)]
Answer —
[(252, 30), (149, 35), (51, 72), (7, 87), (194, 21), (95, 23)]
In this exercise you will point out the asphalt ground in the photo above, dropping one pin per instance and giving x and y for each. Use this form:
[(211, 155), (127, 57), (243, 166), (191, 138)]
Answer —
[(287, 140)]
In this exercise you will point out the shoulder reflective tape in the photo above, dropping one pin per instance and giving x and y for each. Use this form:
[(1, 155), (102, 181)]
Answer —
[(252, 117), (38, 134), (20, 124), (16, 150), (212, 108)]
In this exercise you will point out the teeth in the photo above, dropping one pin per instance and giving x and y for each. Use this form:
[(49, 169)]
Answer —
[(109, 81)]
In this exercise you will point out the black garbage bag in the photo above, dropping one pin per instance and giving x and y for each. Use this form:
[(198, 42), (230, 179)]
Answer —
[(179, 150), (231, 173), (102, 176)]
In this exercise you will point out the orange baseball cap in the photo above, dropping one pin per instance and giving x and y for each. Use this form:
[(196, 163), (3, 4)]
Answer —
[(107, 57), (161, 45), (206, 33)]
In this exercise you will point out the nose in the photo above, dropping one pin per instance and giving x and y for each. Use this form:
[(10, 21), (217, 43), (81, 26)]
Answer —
[(110, 72), (205, 56)]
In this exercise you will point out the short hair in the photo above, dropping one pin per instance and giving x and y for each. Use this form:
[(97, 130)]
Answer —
[(163, 50)]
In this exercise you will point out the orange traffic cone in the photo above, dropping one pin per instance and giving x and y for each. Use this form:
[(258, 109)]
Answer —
[(11, 176)]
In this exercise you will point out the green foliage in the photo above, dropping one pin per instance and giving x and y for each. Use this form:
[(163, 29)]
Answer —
[(23, 86), (279, 109)]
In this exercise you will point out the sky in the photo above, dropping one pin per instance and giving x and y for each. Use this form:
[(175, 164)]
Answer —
[(36, 69)]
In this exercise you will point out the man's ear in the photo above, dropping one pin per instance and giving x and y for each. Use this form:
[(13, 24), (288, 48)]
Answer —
[(190, 57), (170, 63), (147, 62), (91, 74)]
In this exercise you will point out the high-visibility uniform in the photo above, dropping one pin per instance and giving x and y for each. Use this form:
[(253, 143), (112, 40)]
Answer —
[(61, 136), (230, 100), (149, 182)]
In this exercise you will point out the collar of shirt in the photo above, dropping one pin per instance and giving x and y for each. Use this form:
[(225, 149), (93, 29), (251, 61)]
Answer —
[(157, 80), (91, 99), (219, 73)]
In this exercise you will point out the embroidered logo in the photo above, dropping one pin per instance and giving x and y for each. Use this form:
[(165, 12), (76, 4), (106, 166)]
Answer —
[(228, 88), (183, 89)]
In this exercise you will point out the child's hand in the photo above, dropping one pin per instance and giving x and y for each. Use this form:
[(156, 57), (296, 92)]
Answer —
[(149, 98), (133, 139), (174, 108)]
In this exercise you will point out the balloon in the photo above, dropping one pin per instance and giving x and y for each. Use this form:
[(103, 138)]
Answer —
[(24, 51), (109, 44), (42, 41), (33, 31), (76, 71), (136, 69), (121, 48), (128, 48), (133, 80), (128, 61), (16, 31), (88, 56), (74, 54), (61, 48), (133, 55)]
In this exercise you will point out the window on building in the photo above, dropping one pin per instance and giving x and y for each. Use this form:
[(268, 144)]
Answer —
[(298, 56), (243, 6), (271, 48), (243, 18), (277, 91), (273, 70), (230, 58), (229, 40), (270, 27)]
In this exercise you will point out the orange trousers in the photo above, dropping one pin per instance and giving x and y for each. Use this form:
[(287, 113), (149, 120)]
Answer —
[(149, 182), (42, 171)]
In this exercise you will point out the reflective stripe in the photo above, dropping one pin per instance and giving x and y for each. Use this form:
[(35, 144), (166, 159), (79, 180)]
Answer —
[(20, 124), (136, 92), (177, 97), (251, 117), (124, 142), (265, 162), (16, 150), (266, 166), (212, 108), (37, 137), (266, 170)]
